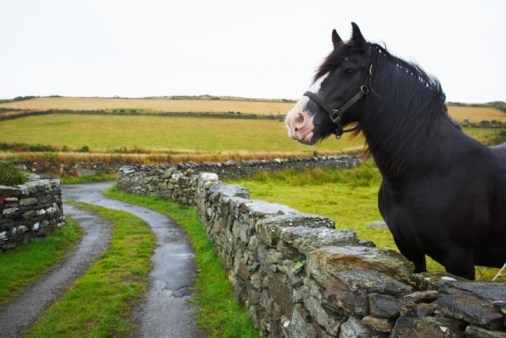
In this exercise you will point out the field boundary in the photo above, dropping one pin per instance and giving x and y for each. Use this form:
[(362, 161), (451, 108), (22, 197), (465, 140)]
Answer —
[(18, 113), (13, 113)]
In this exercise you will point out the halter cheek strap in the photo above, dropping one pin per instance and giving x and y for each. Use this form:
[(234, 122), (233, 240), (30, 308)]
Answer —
[(335, 115)]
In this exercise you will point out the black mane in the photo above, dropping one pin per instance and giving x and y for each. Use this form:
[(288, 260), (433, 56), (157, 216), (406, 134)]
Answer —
[(411, 98)]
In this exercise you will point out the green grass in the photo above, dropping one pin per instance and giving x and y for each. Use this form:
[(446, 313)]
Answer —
[(26, 263), (99, 303), (200, 134), (218, 311), (489, 136), (486, 136), (167, 132), (348, 196), (88, 179)]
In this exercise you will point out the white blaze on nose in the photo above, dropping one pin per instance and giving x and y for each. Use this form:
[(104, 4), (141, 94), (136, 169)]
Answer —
[(315, 87)]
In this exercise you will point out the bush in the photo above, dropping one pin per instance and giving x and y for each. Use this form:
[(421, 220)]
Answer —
[(10, 174), (25, 147), (497, 138), (50, 157)]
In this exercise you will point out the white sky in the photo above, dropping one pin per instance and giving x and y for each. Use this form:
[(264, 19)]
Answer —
[(255, 49)]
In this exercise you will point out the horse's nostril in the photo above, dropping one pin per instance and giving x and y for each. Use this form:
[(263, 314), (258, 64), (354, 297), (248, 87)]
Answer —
[(296, 129)]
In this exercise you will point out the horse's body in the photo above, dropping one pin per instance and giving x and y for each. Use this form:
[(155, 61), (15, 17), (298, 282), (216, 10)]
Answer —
[(443, 193)]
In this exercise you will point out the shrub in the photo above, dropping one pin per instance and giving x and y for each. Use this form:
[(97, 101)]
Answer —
[(497, 138), (10, 174), (50, 157)]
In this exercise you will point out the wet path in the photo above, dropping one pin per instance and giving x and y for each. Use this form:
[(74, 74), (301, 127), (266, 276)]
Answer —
[(16, 316), (164, 310)]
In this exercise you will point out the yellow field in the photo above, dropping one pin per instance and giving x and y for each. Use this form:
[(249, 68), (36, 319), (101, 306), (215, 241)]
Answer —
[(476, 114), (222, 105), (155, 105)]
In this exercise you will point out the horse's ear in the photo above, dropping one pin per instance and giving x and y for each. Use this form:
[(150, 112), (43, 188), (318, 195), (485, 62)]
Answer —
[(357, 36), (336, 39)]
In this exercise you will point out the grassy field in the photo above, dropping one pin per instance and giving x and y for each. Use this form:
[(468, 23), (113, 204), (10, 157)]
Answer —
[(475, 114), (175, 139), (153, 139), (104, 131), (210, 105), (217, 105)]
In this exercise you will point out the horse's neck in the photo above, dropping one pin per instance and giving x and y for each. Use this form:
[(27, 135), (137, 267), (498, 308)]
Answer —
[(394, 153)]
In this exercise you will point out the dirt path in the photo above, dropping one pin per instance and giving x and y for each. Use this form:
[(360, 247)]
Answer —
[(25, 309), (164, 310)]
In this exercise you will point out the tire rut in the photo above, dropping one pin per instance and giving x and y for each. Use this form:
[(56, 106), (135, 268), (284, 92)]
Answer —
[(24, 310)]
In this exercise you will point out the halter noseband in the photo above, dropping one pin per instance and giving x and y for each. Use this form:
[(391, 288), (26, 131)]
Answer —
[(336, 114)]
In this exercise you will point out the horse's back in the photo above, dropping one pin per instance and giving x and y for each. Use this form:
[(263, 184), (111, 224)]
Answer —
[(500, 151)]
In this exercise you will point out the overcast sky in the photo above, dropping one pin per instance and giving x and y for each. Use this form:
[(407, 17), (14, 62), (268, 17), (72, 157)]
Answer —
[(254, 49)]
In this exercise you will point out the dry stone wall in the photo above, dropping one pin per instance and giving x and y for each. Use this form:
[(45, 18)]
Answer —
[(301, 277), (29, 211), (226, 170)]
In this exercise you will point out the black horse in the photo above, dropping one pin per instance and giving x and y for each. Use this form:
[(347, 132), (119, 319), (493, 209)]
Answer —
[(443, 193)]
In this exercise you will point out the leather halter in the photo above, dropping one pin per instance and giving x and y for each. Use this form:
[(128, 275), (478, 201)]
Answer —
[(336, 114)]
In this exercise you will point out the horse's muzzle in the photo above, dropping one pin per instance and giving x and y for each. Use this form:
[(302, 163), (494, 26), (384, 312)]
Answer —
[(300, 124)]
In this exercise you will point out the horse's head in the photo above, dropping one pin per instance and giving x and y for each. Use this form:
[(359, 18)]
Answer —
[(335, 97)]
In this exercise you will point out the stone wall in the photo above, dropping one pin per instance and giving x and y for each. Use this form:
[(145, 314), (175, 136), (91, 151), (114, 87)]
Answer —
[(237, 169), (226, 170), (301, 277), (29, 211)]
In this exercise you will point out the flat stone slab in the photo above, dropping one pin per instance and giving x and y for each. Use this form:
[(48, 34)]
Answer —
[(473, 302), (324, 261)]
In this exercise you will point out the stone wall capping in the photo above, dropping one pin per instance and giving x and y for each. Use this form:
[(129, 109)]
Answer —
[(301, 277), (298, 219), (323, 261), (306, 239), (229, 190)]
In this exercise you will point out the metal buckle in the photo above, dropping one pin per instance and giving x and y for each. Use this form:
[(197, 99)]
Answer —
[(335, 116)]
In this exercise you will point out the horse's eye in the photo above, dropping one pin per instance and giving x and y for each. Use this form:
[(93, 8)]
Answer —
[(350, 71)]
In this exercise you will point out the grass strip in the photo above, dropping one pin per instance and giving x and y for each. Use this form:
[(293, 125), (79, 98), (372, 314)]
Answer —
[(99, 303), (26, 263), (218, 311), (88, 179)]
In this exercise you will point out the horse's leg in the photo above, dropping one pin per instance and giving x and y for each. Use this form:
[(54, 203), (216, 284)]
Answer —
[(417, 257), (460, 263)]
